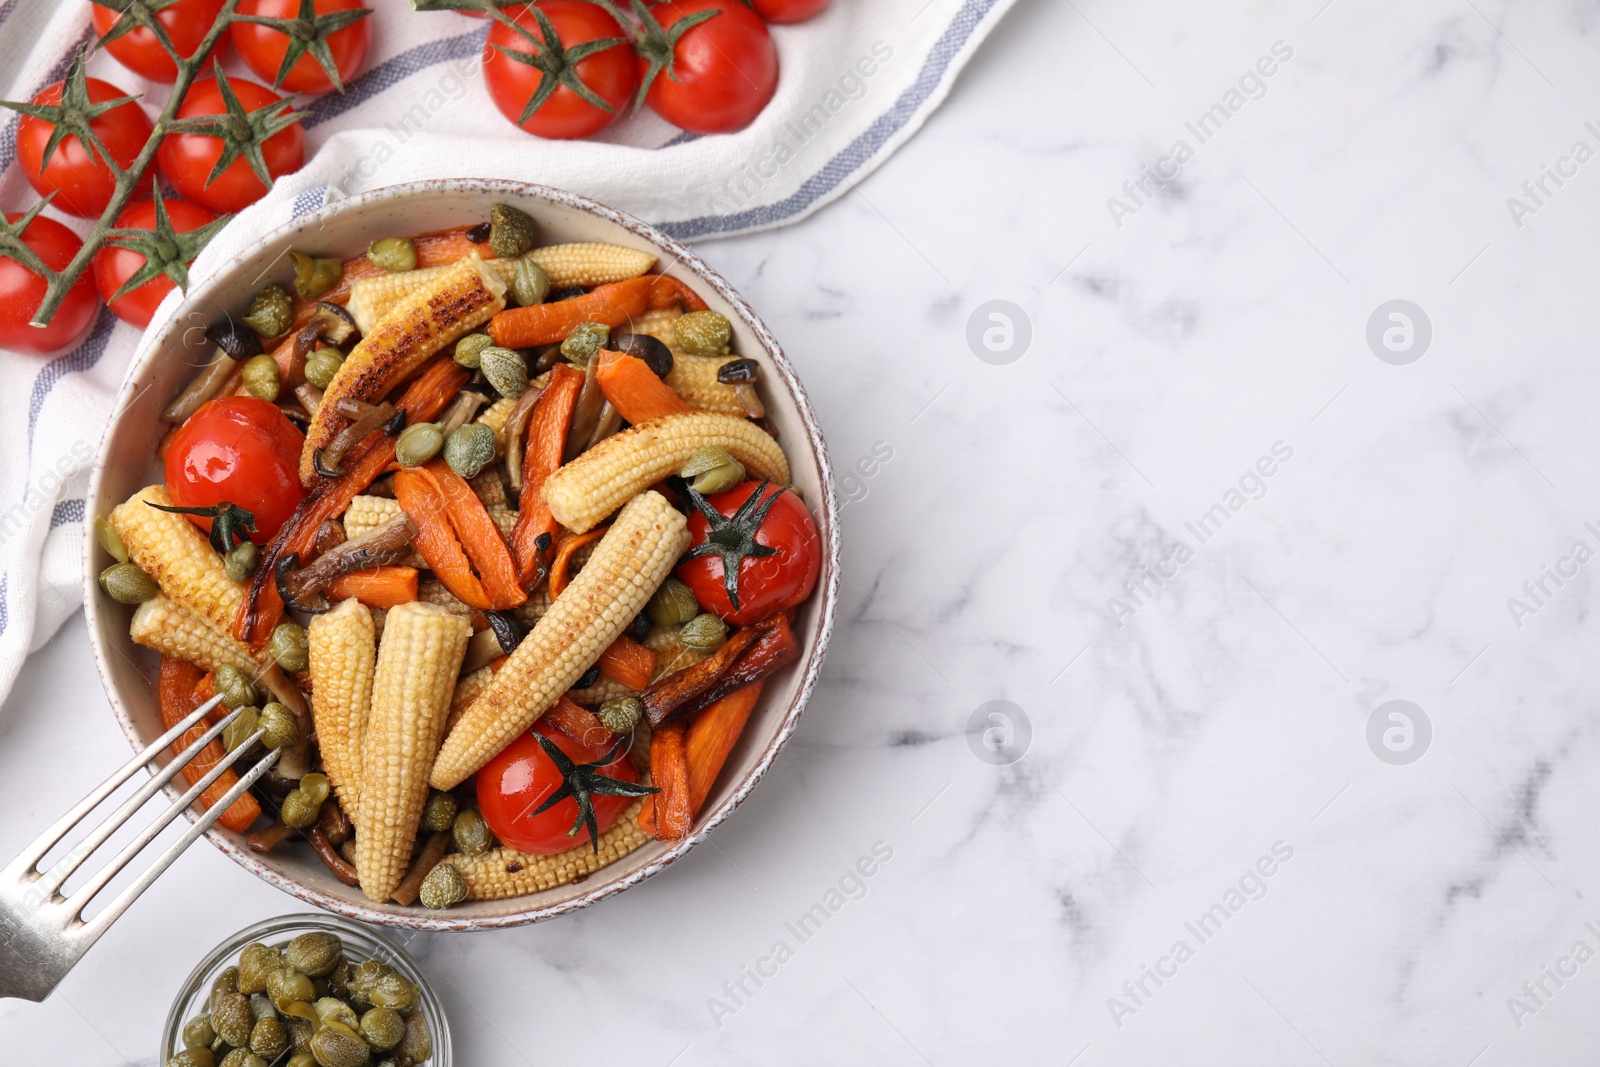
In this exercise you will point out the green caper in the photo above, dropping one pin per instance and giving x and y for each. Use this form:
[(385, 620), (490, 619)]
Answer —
[(110, 540), (303, 1059), (505, 370), (339, 980), (620, 714), (418, 1042), (673, 604), (316, 952), (337, 1045), (224, 984), (287, 985), (261, 1007), (717, 479), (300, 1033), (313, 276), (320, 986), (529, 283), (322, 365), (443, 887), (393, 254), (268, 1039), (418, 443), (240, 561), (470, 449), (703, 633), (471, 833), (586, 339), (363, 979), (238, 732), (289, 647), (440, 812), (316, 785), (299, 810), (260, 377), (127, 584), (281, 728), (235, 1058), (383, 1028), (231, 1019), (256, 964), (511, 231), (271, 312), (250, 1059), (235, 687), (711, 470), (395, 992), (332, 1008), (299, 1011), (702, 333), (470, 348), (193, 1057), (197, 1032)]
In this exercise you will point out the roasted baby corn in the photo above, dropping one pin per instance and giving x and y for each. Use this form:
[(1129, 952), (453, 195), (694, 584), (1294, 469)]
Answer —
[(415, 678), (368, 512), (695, 379), (342, 655), (160, 623), (632, 559), (505, 872), (462, 296), (585, 491), (173, 551), (468, 689)]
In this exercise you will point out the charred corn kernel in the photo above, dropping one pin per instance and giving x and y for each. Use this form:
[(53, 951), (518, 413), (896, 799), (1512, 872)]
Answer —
[(590, 263), (342, 654), (411, 689), (489, 486), (367, 513), (632, 558), (671, 653), (495, 415), (695, 379), (600, 692), (585, 491), (458, 300), (162, 624), (505, 872), (468, 689), (173, 551)]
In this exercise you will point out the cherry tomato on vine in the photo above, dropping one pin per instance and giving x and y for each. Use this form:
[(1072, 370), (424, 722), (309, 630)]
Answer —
[(713, 77), (22, 291), (114, 265), (787, 10), (186, 159), (186, 22), (240, 449), (562, 111), (768, 582), (519, 779), (316, 31), (82, 182)]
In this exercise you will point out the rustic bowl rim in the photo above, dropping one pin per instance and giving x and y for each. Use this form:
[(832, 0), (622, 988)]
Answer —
[(826, 510)]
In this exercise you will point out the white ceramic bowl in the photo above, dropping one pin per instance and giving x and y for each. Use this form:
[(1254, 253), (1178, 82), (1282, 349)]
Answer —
[(127, 462)]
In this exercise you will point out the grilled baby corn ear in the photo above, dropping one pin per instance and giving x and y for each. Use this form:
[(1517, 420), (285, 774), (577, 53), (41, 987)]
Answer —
[(415, 678), (159, 623), (633, 558), (695, 379), (585, 491), (173, 551), (464, 295), (342, 654), (505, 872)]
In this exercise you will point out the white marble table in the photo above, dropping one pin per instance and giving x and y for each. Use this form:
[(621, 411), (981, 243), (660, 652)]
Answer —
[(1199, 800)]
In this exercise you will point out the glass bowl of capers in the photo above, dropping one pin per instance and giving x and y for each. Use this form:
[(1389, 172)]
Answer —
[(306, 991)]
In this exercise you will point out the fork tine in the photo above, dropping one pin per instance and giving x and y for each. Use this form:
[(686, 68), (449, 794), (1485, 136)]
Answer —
[(52, 879), (91, 930), (80, 899), (30, 857)]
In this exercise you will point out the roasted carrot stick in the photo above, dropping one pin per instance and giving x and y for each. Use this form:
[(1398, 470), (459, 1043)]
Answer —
[(454, 532), (204, 690), (669, 813), (436, 538), (547, 437), (612, 304), (562, 561), (479, 535), (634, 390), (578, 723), (711, 738), (775, 648), (380, 587), (175, 689), (628, 663)]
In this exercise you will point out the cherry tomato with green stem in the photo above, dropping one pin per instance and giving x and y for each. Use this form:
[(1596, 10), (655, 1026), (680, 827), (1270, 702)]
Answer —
[(709, 65), (186, 23), (22, 291), (76, 173), (239, 449), (554, 75)]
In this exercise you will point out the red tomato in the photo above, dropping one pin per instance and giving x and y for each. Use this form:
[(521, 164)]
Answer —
[(723, 71), (609, 74), (519, 779), (114, 265), (239, 449), (187, 22), (767, 584), (82, 182), (788, 10), (186, 159), (262, 47), (22, 291)]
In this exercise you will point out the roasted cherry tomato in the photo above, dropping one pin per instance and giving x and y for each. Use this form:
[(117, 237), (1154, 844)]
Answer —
[(114, 264), (767, 583), (519, 779), (22, 291), (263, 47), (240, 449), (82, 182), (186, 159), (723, 71), (187, 22), (787, 10), (609, 74)]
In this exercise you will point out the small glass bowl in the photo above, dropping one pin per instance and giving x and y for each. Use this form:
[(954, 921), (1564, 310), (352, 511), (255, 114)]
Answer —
[(361, 942)]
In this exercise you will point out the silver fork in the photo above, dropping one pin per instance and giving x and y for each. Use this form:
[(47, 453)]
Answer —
[(42, 933)]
